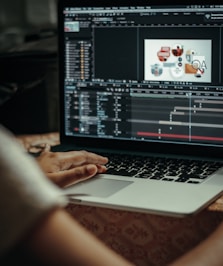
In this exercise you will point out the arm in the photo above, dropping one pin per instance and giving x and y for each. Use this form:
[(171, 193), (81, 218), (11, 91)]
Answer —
[(209, 252), (34, 215), (66, 168), (60, 240)]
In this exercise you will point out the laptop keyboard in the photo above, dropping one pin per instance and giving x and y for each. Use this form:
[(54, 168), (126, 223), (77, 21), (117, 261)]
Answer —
[(166, 169)]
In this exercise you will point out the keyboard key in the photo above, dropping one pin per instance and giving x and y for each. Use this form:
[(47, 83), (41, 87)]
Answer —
[(165, 169)]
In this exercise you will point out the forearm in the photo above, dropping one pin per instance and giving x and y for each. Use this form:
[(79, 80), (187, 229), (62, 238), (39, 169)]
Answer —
[(60, 240), (209, 252)]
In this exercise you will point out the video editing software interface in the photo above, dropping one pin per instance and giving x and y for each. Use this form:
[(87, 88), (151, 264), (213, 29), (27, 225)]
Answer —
[(144, 73)]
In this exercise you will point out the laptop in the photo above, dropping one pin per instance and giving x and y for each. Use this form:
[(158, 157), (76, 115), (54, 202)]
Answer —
[(142, 83)]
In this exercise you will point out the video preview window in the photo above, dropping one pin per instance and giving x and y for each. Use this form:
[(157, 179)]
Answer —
[(178, 60)]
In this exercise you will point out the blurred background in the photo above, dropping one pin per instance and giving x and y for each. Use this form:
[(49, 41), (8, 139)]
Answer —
[(28, 66), (19, 18)]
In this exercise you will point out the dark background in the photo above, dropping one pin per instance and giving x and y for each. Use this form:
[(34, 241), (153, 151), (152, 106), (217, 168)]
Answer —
[(28, 64)]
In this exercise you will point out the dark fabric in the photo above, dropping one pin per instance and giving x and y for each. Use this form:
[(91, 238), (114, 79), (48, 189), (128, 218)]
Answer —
[(19, 257)]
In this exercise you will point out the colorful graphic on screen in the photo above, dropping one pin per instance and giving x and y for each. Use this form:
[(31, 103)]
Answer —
[(178, 60), (72, 26)]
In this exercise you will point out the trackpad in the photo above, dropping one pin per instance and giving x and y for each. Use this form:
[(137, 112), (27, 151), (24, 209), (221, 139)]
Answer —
[(97, 187)]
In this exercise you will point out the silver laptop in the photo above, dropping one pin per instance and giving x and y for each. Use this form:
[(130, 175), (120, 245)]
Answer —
[(142, 83)]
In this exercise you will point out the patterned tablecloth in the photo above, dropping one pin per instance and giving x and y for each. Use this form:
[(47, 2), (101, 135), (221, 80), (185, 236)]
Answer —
[(145, 239)]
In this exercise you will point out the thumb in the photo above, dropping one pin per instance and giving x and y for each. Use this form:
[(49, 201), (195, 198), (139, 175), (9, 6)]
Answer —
[(74, 175)]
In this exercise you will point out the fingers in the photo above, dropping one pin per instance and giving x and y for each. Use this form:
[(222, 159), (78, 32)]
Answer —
[(75, 175), (77, 158), (66, 168), (39, 148), (89, 157)]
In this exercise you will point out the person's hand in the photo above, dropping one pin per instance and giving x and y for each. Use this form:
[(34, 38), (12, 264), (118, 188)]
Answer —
[(66, 168)]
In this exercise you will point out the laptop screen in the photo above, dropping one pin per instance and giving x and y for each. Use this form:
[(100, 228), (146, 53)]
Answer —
[(151, 73)]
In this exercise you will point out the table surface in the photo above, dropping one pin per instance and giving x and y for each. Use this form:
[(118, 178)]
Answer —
[(145, 239)]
